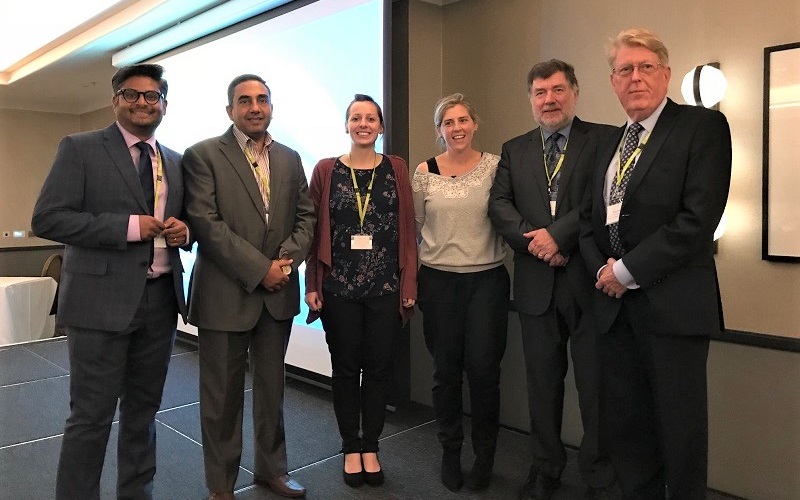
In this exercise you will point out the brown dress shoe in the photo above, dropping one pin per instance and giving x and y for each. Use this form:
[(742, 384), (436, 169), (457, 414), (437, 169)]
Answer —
[(284, 486), (221, 495)]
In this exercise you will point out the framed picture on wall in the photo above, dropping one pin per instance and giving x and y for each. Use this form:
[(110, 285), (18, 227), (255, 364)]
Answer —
[(781, 178)]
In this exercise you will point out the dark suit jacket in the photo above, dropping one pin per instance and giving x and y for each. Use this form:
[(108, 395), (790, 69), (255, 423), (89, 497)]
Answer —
[(235, 245), (672, 204), (519, 203), (85, 202)]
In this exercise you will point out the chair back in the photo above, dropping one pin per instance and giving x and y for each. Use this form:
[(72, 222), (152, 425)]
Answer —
[(52, 268)]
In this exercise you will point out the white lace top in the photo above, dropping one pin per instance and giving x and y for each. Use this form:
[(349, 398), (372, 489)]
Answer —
[(453, 225)]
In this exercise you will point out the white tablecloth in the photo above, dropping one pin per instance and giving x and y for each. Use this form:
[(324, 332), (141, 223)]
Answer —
[(25, 307)]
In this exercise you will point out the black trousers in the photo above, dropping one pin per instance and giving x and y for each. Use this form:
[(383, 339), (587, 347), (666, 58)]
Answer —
[(465, 323), (544, 343), (131, 366), (360, 336), (654, 406)]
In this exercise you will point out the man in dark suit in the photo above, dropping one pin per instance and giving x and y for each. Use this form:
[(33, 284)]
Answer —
[(248, 206), (534, 204), (646, 234), (114, 197)]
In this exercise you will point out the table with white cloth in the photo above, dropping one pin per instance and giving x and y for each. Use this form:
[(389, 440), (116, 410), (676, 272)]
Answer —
[(25, 304)]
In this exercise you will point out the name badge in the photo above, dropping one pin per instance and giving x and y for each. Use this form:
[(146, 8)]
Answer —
[(552, 208), (361, 242), (612, 213), (159, 242)]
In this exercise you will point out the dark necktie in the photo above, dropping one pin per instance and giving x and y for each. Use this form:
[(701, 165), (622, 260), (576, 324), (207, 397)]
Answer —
[(552, 155), (146, 179), (617, 192), (146, 175)]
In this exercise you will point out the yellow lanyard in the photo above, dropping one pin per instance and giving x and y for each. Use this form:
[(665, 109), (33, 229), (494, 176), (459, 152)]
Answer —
[(622, 169), (159, 179), (254, 163), (362, 209), (558, 164)]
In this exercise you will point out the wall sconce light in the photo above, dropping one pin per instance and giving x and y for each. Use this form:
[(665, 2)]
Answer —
[(704, 86)]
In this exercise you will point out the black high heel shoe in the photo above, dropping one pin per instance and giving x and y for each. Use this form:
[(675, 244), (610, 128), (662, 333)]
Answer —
[(352, 479), (373, 478)]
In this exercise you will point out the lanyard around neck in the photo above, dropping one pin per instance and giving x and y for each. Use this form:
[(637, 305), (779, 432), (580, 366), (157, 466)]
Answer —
[(621, 169), (259, 172), (362, 209), (159, 178), (561, 156)]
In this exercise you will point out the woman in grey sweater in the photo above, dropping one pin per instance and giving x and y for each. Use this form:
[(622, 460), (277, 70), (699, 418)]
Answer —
[(463, 289)]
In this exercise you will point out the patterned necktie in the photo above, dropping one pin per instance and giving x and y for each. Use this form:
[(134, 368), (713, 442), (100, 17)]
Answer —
[(618, 192), (146, 175), (552, 155)]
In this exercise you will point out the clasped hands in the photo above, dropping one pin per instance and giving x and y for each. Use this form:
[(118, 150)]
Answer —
[(174, 231), (607, 281), (276, 276), (544, 247)]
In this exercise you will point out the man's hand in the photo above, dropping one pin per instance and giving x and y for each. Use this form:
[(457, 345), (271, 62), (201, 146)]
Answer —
[(558, 260), (542, 245), (608, 282), (275, 277), (149, 227), (175, 232)]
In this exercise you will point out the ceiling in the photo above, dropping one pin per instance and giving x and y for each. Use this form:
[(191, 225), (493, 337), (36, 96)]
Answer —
[(80, 81)]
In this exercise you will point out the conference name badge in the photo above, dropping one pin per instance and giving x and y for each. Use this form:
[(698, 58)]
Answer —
[(159, 242), (361, 242), (612, 213)]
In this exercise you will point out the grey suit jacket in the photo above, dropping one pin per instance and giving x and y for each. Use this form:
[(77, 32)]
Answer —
[(85, 203), (519, 203), (236, 246)]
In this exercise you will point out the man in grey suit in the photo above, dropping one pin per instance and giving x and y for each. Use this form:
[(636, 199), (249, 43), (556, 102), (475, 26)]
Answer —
[(121, 285), (534, 204), (248, 206)]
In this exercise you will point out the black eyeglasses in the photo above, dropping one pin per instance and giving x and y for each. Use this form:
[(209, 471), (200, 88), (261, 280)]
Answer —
[(131, 95)]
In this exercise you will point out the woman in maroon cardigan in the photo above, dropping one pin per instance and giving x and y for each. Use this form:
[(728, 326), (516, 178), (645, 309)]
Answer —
[(363, 267)]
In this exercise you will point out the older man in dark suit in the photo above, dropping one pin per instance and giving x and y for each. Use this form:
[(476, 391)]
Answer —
[(114, 197), (534, 204), (646, 234), (249, 207)]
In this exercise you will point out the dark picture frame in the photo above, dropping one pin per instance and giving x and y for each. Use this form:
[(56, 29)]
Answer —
[(780, 239)]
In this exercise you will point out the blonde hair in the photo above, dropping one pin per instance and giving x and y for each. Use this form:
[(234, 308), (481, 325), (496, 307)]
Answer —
[(441, 108), (638, 37)]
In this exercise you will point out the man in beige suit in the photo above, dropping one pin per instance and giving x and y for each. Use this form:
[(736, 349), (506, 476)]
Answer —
[(248, 206)]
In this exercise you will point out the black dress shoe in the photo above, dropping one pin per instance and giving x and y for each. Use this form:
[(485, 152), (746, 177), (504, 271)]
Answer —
[(527, 488), (544, 486), (480, 475), (353, 479), (452, 479), (284, 486), (374, 478)]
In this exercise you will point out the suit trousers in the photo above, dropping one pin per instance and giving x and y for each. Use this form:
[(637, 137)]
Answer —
[(654, 406), (131, 366), (361, 335), (544, 343), (223, 363), (465, 322)]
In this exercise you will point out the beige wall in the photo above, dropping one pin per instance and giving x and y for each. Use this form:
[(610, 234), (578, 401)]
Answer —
[(486, 48), (28, 142)]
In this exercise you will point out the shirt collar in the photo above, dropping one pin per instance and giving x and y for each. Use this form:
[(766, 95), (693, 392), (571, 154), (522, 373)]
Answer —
[(243, 139), (650, 122), (563, 131), (131, 139)]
